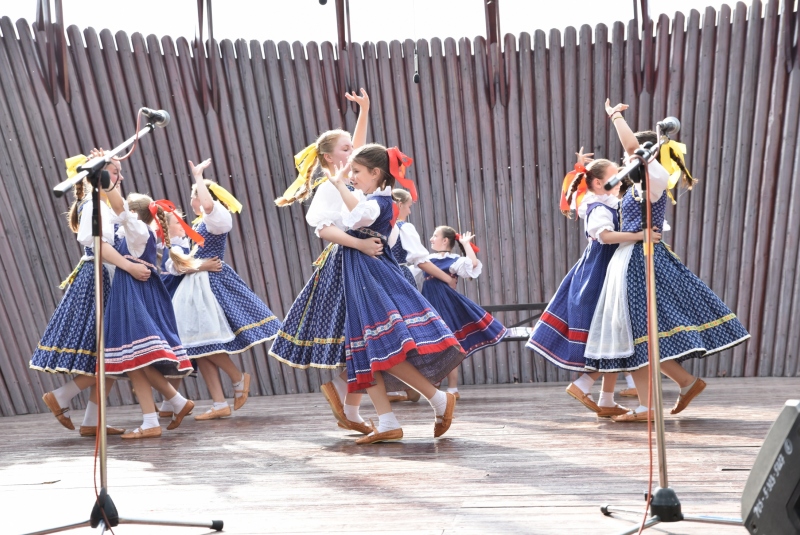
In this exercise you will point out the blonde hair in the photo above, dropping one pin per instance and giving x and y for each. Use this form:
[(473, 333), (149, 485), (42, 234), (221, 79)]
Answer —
[(325, 144), (401, 196), (140, 204), (594, 171)]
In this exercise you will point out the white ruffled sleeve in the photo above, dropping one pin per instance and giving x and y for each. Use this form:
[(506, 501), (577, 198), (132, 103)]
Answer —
[(85, 237), (325, 208), (463, 268), (219, 220), (135, 232), (363, 215), (659, 179), (598, 221), (409, 237)]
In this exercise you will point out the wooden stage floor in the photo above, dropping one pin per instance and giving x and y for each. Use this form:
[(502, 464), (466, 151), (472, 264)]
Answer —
[(518, 459)]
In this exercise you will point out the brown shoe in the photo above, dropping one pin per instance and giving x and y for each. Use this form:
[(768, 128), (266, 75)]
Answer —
[(91, 430), (153, 432), (632, 416), (178, 418), (629, 393), (574, 391), (616, 410), (441, 428), (387, 436), (684, 399), (238, 402), (50, 400), (214, 414), (397, 396), (457, 395), (361, 427), (330, 393), (165, 414)]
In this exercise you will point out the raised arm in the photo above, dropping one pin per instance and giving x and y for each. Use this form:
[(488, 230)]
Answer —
[(626, 135), (206, 201), (360, 133)]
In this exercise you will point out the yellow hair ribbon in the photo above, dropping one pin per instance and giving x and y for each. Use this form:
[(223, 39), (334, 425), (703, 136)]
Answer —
[(73, 163), (671, 165), (303, 161), (225, 197)]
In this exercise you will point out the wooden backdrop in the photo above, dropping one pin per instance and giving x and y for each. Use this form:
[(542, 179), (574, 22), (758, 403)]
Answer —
[(489, 157)]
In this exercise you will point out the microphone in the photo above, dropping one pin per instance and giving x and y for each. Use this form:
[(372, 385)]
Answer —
[(670, 125), (323, 2), (157, 117)]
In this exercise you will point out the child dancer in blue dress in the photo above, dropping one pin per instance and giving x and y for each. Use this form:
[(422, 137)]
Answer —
[(141, 334), (692, 321), (389, 326), (218, 314), (474, 328), (561, 333), (68, 343)]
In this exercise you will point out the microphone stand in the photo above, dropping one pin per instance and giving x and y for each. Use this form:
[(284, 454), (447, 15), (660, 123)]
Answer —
[(664, 503), (104, 513)]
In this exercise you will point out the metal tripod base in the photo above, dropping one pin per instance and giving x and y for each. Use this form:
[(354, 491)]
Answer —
[(104, 509), (665, 507)]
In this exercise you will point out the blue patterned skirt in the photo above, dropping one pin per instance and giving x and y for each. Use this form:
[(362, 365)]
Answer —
[(560, 334), (388, 322), (408, 275), (251, 321), (68, 343), (692, 321), (312, 335), (473, 327)]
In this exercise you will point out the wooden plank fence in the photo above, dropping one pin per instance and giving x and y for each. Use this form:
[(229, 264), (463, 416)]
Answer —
[(732, 77)]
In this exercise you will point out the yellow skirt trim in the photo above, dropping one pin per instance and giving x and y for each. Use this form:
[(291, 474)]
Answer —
[(307, 343), (68, 350), (254, 325), (688, 328)]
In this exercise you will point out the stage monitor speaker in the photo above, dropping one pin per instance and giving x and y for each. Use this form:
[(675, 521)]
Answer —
[(771, 497)]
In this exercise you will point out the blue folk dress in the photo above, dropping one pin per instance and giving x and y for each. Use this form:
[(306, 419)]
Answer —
[(561, 333), (473, 327), (312, 335), (217, 312), (68, 343), (387, 320), (692, 321), (140, 327), (407, 249)]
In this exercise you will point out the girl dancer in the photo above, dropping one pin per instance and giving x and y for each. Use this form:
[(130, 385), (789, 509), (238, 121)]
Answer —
[(692, 321), (389, 326), (141, 338), (312, 335), (474, 328), (218, 315), (560, 335), (68, 344)]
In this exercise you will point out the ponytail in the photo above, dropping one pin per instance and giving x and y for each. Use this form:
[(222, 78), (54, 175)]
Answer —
[(79, 189)]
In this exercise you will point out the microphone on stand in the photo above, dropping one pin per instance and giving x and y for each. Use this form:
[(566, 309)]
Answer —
[(670, 125), (157, 117)]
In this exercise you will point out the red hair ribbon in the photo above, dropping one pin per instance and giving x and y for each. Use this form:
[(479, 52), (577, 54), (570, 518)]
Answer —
[(168, 207), (578, 196), (579, 168), (395, 213), (474, 247), (398, 163)]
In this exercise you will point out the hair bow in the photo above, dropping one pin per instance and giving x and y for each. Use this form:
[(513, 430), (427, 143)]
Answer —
[(474, 247), (168, 207), (303, 161), (73, 163), (226, 198), (398, 163)]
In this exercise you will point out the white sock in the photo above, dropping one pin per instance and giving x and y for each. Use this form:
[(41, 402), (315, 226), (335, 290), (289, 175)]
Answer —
[(64, 394), (584, 382), (178, 402), (220, 406), (439, 404), (387, 422), (685, 389), (351, 412), (150, 420), (341, 387), (90, 416), (166, 406), (606, 399), (640, 409), (238, 386), (629, 380), (453, 390)]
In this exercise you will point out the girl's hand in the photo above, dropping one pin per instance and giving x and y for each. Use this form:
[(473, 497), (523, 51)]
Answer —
[(96, 153), (210, 264), (197, 170), (612, 110), (138, 271), (584, 159), (655, 236), (362, 100), (371, 247), (339, 176), (466, 238), (453, 282)]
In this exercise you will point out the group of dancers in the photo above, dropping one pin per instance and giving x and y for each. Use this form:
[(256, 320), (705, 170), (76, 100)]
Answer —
[(379, 306)]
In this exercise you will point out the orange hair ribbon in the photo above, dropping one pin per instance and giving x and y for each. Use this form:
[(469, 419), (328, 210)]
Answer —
[(398, 163), (168, 207)]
